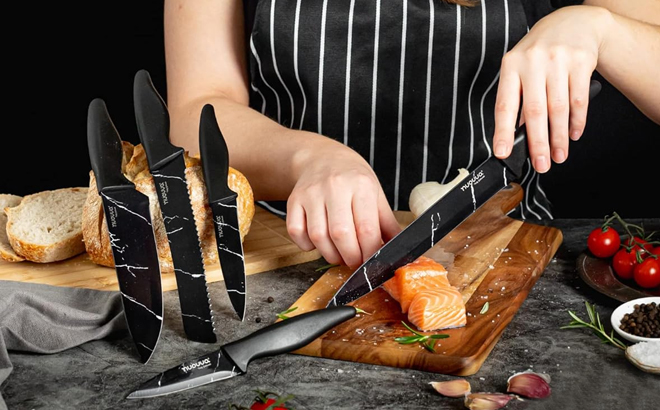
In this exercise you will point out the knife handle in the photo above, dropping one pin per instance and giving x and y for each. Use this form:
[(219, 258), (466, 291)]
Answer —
[(104, 147), (519, 154), (287, 335)]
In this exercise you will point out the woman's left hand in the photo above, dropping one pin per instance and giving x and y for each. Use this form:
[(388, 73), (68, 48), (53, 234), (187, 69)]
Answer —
[(550, 69)]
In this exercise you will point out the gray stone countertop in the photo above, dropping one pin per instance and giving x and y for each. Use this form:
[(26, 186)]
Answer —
[(586, 374)]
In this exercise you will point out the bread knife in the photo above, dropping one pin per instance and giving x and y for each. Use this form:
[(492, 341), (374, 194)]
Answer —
[(168, 168)]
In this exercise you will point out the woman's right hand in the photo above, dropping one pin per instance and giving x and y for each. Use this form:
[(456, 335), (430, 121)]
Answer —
[(338, 206)]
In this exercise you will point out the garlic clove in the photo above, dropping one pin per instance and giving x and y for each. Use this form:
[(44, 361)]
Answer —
[(452, 388), (487, 401), (529, 384), (426, 194)]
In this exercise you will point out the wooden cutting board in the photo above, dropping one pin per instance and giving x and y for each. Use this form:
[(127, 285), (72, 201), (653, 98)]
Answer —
[(267, 246), (496, 259)]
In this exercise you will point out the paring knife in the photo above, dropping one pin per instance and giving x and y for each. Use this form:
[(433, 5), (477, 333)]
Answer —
[(222, 200), (132, 237), (233, 358), (168, 168), (441, 218)]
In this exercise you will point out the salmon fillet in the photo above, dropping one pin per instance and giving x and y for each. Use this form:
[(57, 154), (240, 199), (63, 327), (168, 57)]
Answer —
[(440, 308), (422, 273)]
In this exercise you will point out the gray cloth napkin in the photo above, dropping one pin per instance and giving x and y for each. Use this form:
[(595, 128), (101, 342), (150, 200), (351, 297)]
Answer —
[(48, 319)]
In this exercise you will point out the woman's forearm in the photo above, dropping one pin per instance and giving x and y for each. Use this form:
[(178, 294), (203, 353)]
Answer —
[(629, 58)]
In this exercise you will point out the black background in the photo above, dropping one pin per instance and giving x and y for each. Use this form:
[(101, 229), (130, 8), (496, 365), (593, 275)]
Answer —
[(64, 54)]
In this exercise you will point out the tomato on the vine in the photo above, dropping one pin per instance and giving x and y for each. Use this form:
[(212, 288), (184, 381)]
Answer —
[(638, 243), (624, 262), (257, 405), (604, 241), (647, 273)]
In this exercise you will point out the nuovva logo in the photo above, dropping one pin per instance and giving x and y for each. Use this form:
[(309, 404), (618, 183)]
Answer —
[(163, 191), (197, 365), (474, 180), (219, 222), (113, 216)]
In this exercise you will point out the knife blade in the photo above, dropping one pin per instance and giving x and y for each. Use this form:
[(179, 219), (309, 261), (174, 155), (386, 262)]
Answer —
[(131, 232), (232, 359), (222, 200), (439, 219), (168, 168)]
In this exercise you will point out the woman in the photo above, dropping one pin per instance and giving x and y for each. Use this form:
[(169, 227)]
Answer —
[(342, 107)]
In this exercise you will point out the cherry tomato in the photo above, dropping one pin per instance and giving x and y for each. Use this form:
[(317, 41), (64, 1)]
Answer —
[(258, 405), (624, 263), (604, 242), (647, 273)]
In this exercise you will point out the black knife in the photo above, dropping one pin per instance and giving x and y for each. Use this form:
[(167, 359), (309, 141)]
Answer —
[(132, 237), (168, 168), (222, 200), (233, 358), (441, 218)]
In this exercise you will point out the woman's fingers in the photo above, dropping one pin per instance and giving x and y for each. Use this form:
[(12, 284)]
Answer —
[(535, 107), (506, 109), (578, 83), (296, 226), (342, 229), (558, 111), (367, 226)]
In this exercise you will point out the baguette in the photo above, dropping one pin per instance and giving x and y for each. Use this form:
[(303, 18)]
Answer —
[(46, 226), (6, 251), (136, 169)]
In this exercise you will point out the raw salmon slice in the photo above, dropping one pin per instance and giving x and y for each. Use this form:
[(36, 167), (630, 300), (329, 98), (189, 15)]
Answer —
[(422, 273), (435, 309)]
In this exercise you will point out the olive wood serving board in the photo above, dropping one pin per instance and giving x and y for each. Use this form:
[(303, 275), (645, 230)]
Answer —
[(496, 259), (267, 246)]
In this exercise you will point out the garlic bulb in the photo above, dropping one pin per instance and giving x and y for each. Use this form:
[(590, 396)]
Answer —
[(427, 193)]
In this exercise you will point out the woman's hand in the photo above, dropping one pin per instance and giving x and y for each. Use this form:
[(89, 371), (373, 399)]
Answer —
[(550, 68), (338, 206)]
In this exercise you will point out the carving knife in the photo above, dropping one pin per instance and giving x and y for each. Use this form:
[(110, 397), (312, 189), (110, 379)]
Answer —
[(441, 218), (168, 168), (232, 359), (132, 237), (222, 200)]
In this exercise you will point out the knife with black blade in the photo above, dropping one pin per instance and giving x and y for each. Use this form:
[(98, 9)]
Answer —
[(132, 237), (440, 218), (232, 359), (222, 200), (168, 168)]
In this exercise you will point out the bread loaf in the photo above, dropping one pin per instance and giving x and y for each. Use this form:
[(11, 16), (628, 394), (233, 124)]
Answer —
[(136, 169), (47, 226), (6, 251)]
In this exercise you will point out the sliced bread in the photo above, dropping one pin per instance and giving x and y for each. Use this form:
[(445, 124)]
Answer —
[(6, 251), (47, 226)]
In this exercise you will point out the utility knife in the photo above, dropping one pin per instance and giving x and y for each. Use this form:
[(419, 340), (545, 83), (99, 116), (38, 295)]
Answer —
[(232, 359), (132, 238), (440, 218), (168, 168), (222, 200)]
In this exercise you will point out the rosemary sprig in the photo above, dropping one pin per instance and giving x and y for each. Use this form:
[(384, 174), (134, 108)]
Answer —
[(427, 341), (283, 316), (325, 267), (595, 325)]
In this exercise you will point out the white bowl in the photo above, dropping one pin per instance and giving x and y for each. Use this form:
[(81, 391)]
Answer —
[(628, 307)]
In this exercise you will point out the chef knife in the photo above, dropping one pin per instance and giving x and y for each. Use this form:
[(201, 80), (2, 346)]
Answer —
[(222, 200), (168, 168), (131, 233), (439, 219), (232, 359)]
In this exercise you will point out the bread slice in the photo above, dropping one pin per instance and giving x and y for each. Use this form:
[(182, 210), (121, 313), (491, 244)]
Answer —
[(47, 226), (6, 251)]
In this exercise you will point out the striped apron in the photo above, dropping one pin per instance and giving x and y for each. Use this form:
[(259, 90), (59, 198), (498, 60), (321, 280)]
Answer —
[(408, 84)]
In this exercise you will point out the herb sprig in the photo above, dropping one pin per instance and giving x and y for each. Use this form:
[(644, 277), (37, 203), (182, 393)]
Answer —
[(595, 325), (427, 341), (283, 316)]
